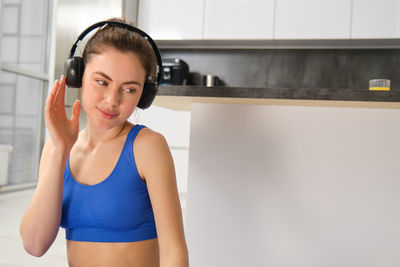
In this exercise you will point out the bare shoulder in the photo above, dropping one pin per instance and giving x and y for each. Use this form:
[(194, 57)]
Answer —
[(150, 140), (150, 150)]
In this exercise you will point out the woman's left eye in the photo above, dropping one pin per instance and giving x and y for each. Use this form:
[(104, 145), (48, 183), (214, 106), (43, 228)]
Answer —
[(101, 82), (128, 90)]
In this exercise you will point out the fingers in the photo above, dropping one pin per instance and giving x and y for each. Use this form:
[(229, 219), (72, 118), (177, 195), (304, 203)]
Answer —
[(60, 92), (53, 92), (51, 97), (76, 110)]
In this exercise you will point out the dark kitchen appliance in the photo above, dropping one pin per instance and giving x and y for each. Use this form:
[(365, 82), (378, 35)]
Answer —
[(174, 71)]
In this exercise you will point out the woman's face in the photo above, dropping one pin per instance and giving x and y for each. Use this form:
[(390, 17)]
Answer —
[(111, 87)]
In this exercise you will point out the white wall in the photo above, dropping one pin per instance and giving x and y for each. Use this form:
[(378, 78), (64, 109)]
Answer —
[(293, 186)]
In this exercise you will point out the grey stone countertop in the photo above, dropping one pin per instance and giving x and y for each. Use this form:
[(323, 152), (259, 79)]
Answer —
[(182, 97), (280, 93)]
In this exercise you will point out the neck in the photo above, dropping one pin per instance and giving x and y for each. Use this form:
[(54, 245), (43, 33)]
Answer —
[(94, 136)]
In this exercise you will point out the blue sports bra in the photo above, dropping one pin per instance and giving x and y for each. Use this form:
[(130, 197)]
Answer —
[(118, 209)]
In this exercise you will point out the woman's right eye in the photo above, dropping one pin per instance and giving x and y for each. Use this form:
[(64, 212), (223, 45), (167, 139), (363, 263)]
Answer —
[(102, 82)]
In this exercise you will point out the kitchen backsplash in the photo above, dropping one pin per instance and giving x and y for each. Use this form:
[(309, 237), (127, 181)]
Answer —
[(300, 68)]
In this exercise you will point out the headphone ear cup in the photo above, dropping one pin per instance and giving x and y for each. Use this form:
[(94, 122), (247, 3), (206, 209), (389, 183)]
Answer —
[(150, 89), (73, 72)]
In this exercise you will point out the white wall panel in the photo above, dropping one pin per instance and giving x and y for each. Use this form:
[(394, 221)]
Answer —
[(9, 49), (10, 16), (6, 92), (31, 50), (33, 17)]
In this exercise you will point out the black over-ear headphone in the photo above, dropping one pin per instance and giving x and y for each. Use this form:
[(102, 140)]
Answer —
[(73, 68)]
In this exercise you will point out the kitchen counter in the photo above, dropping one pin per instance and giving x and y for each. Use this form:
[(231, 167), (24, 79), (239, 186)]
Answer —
[(181, 97)]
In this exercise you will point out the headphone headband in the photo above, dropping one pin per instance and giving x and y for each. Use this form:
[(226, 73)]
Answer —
[(128, 27), (74, 66)]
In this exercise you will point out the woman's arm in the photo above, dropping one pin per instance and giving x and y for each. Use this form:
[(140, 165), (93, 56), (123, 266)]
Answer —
[(41, 221), (157, 168)]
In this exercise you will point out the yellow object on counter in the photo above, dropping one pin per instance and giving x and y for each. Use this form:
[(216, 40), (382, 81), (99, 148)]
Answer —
[(379, 88), (379, 85)]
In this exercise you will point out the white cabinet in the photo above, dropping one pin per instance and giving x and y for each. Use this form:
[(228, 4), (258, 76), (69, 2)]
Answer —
[(238, 19), (375, 19), (172, 19), (269, 19), (292, 197), (312, 19)]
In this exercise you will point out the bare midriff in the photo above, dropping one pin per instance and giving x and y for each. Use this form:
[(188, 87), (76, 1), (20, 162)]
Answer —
[(101, 254)]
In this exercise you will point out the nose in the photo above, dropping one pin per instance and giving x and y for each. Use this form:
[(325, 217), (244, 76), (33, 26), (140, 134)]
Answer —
[(113, 97)]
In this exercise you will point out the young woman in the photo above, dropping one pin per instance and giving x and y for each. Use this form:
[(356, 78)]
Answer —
[(111, 185)]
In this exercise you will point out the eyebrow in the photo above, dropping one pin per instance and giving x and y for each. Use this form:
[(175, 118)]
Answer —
[(109, 78)]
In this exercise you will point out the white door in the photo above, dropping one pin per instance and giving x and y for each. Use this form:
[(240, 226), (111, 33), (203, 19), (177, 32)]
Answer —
[(172, 19), (375, 19), (238, 19), (312, 19)]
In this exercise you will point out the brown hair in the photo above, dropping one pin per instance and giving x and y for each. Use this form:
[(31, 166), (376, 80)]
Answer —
[(123, 40)]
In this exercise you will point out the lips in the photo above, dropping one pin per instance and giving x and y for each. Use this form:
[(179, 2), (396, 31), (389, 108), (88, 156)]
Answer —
[(107, 114)]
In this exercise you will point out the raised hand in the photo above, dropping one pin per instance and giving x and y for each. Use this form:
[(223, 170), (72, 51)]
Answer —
[(63, 131)]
